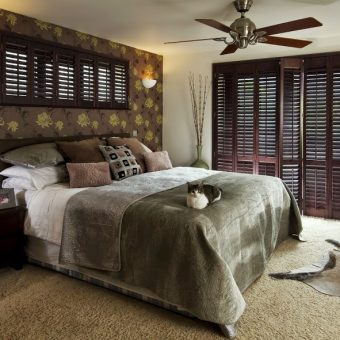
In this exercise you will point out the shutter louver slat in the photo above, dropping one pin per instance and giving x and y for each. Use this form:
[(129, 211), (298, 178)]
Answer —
[(336, 145), (315, 189), (336, 192), (267, 169), (336, 116), (224, 123), (315, 121), (245, 116), (291, 176), (267, 115), (43, 86), (66, 78), (87, 80), (245, 167), (120, 72), (104, 82), (291, 143), (16, 70)]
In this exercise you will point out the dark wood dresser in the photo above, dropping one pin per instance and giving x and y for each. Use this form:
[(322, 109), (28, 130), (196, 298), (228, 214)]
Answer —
[(11, 237)]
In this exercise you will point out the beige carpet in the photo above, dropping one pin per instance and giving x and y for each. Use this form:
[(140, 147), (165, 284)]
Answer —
[(39, 304)]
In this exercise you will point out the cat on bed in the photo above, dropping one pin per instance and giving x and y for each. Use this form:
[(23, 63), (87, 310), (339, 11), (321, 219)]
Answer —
[(200, 195)]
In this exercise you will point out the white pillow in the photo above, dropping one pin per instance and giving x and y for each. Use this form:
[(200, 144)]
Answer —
[(37, 178), (17, 183)]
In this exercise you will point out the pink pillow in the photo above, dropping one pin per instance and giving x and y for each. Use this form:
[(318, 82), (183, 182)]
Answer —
[(89, 174), (156, 161)]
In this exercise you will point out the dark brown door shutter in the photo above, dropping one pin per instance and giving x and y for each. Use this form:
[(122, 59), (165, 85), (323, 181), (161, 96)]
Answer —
[(291, 126), (315, 172), (267, 124), (245, 124), (335, 187), (223, 145)]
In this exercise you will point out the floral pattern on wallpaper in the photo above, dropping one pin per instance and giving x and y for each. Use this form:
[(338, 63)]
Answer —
[(145, 114)]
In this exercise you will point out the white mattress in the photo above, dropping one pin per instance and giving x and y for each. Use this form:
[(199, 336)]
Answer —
[(46, 207)]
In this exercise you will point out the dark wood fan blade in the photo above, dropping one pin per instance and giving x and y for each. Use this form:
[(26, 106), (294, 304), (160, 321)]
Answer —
[(286, 42), (291, 26), (181, 41), (229, 49), (215, 24)]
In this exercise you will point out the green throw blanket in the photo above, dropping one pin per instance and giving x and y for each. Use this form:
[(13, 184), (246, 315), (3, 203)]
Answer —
[(203, 260)]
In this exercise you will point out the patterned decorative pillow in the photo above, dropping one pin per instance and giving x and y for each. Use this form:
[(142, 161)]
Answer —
[(122, 162), (138, 148), (156, 161), (89, 174)]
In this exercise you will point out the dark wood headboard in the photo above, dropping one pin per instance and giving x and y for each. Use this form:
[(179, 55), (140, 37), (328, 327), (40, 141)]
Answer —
[(10, 144)]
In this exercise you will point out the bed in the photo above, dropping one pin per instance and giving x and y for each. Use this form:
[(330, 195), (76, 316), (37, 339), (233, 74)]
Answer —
[(196, 262)]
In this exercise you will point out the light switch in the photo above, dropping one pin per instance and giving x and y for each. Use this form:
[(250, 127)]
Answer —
[(134, 133)]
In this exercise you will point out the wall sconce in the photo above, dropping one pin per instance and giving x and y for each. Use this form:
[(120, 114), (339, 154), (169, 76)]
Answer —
[(148, 83)]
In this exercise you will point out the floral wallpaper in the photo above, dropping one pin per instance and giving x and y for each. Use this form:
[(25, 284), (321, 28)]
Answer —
[(146, 105)]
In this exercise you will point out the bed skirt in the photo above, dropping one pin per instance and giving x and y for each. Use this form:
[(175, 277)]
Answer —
[(46, 254)]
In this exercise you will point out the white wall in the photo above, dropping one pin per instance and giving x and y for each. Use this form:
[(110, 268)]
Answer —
[(179, 137)]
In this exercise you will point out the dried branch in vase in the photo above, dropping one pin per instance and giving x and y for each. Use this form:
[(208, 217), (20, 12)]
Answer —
[(199, 95)]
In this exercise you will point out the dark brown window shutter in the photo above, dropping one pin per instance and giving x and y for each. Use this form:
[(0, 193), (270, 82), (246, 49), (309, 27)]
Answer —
[(66, 69), (35, 73), (43, 76), (87, 81), (121, 84), (104, 79), (15, 75)]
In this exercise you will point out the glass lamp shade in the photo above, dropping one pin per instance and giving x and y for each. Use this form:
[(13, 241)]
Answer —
[(148, 83)]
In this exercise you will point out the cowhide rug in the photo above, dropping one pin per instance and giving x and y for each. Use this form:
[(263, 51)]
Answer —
[(323, 276)]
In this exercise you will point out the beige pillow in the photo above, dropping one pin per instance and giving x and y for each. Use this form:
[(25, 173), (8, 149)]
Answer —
[(156, 161), (89, 174), (83, 151), (137, 148)]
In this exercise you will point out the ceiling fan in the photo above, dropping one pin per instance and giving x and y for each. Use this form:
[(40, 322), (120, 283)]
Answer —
[(243, 31)]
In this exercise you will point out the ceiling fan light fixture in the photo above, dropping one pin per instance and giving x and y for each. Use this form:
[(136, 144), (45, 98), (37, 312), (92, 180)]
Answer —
[(242, 32)]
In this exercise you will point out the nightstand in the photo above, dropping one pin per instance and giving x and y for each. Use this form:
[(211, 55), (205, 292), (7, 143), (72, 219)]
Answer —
[(11, 236)]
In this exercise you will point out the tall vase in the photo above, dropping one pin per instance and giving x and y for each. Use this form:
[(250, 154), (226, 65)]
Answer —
[(199, 163)]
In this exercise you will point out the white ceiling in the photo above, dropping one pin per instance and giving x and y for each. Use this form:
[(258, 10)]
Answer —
[(147, 24)]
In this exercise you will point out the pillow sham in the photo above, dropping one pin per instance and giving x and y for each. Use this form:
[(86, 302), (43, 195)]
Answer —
[(17, 183), (89, 174), (156, 161), (83, 151), (34, 156), (39, 177), (137, 148), (121, 160)]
